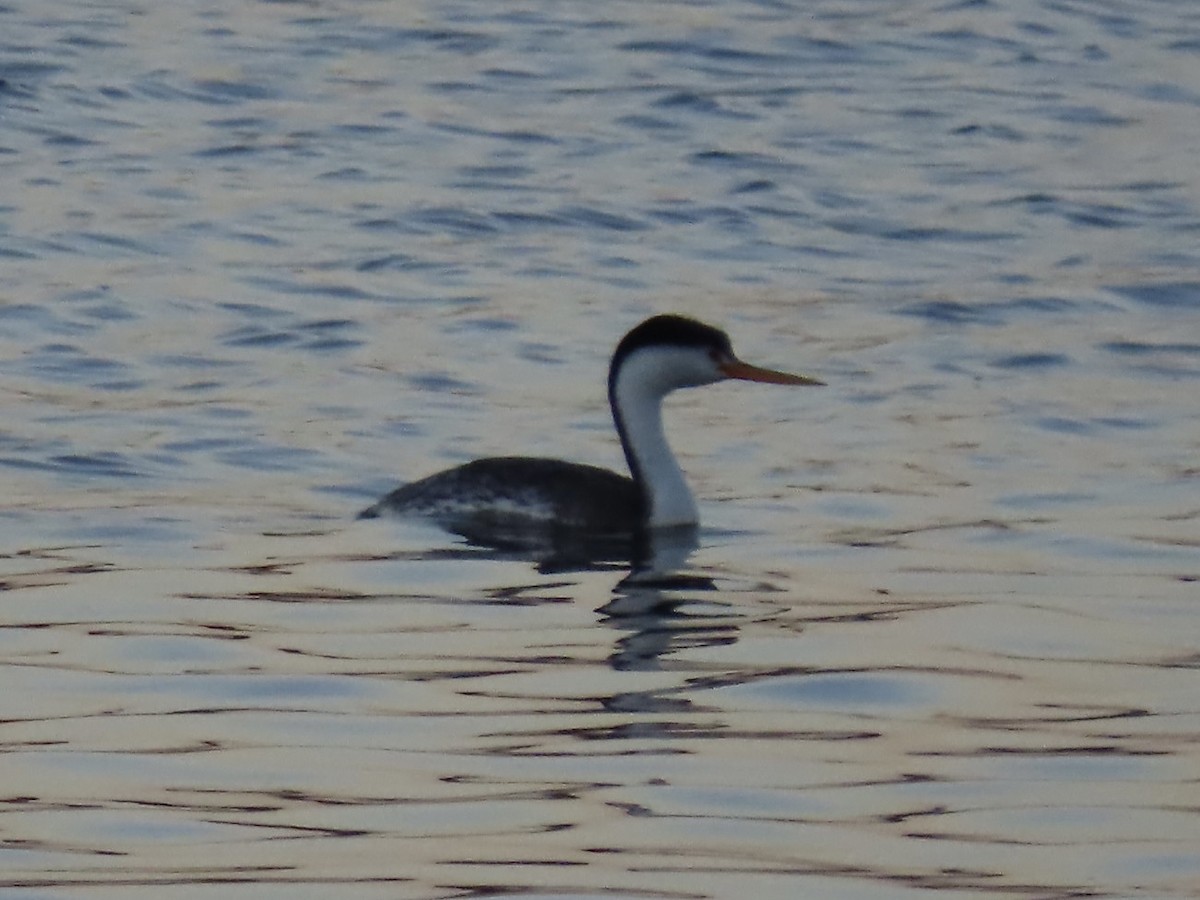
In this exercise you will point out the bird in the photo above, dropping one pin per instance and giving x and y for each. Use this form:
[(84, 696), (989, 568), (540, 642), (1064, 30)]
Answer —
[(520, 493)]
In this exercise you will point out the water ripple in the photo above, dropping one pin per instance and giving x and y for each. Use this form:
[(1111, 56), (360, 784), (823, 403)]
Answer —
[(265, 260)]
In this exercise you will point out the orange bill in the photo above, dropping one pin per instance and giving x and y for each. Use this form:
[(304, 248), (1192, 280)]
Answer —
[(735, 368)]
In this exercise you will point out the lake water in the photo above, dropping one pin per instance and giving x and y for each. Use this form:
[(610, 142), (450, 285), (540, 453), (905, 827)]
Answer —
[(940, 633)]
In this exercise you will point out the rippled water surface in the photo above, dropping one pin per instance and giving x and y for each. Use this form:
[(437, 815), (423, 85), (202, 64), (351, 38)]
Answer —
[(259, 262)]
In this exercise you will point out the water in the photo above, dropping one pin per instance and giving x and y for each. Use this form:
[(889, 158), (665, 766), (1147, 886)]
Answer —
[(263, 261)]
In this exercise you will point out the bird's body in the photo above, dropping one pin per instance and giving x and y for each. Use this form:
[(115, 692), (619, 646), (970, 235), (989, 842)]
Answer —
[(660, 355), (520, 491)]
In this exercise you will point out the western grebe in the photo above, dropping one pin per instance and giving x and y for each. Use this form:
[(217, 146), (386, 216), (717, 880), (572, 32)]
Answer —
[(660, 355)]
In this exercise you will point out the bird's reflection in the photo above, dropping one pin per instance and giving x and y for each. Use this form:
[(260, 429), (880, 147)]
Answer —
[(650, 606), (659, 607), (551, 550), (657, 557), (660, 558)]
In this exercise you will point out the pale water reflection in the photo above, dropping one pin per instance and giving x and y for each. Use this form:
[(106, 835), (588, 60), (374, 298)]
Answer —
[(346, 716), (938, 634)]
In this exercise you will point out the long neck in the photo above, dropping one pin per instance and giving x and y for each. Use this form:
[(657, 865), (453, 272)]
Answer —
[(636, 395)]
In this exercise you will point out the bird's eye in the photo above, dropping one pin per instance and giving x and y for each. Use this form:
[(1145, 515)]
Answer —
[(720, 358)]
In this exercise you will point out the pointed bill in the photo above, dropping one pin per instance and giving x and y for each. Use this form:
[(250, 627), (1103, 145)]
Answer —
[(735, 368)]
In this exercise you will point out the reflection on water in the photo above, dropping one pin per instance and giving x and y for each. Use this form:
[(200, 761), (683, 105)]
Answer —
[(653, 606), (403, 732), (939, 632)]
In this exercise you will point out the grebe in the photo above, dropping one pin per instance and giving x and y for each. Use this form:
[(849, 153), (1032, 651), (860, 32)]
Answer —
[(661, 354)]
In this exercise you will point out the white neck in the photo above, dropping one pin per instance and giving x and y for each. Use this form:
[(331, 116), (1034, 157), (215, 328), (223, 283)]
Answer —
[(637, 399)]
